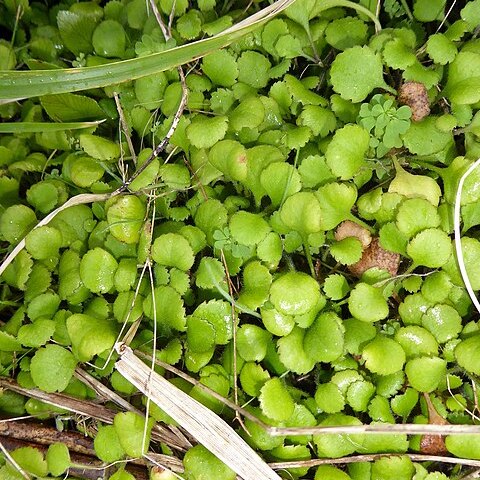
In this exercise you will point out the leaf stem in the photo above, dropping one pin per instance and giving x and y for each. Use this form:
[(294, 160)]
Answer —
[(306, 249), (407, 10)]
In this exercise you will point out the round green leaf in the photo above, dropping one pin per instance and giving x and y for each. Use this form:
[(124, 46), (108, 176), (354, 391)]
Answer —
[(357, 333), (336, 287), (443, 321), (200, 334), (169, 310), (328, 327), (84, 171), (252, 378), (58, 459), (416, 341), (294, 293), (248, 228), (346, 32), (301, 212), (440, 49), (467, 354), (276, 322), (329, 398), (415, 215), (403, 404), (291, 352), (463, 446), (275, 401), (109, 39), (280, 180), (52, 368), (15, 222), (346, 152), (211, 215), (253, 68), (252, 342), (359, 394), (173, 250), (425, 373), (90, 336), (218, 314), (107, 445), (200, 464), (125, 218), (366, 303), (431, 248), (130, 428), (43, 242), (329, 472), (97, 270), (383, 355), (36, 334), (337, 445), (204, 132), (221, 67), (356, 72), (44, 305), (29, 459), (347, 251)]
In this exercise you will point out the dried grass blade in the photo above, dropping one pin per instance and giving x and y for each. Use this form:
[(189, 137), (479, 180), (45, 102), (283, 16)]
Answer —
[(209, 429)]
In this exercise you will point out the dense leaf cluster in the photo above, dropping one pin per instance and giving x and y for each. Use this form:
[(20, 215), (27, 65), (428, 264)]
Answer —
[(302, 212)]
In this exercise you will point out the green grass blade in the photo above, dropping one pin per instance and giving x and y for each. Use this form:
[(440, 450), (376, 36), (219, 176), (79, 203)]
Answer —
[(36, 127), (27, 84)]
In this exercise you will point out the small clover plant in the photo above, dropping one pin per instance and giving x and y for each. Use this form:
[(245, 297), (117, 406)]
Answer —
[(385, 122)]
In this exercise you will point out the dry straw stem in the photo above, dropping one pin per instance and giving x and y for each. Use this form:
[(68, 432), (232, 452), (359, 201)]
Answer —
[(77, 200), (208, 428), (88, 409), (415, 457), (12, 461), (457, 234), (175, 439), (409, 429)]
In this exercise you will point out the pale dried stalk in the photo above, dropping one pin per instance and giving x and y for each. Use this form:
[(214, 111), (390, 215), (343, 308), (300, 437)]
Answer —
[(415, 457), (457, 235), (89, 409), (207, 427), (382, 428), (409, 429), (15, 465), (174, 439), (77, 200)]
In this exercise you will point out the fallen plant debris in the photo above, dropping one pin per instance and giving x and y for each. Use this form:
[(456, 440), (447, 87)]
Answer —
[(268, 209)]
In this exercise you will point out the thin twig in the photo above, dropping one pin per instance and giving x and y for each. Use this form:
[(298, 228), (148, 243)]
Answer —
[(416, 457), (125, 128), (234, 330), (159, 19), (88, 409), (11, 460)]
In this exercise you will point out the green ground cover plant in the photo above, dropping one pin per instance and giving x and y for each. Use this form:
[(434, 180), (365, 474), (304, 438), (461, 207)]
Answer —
[(265, 199)]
